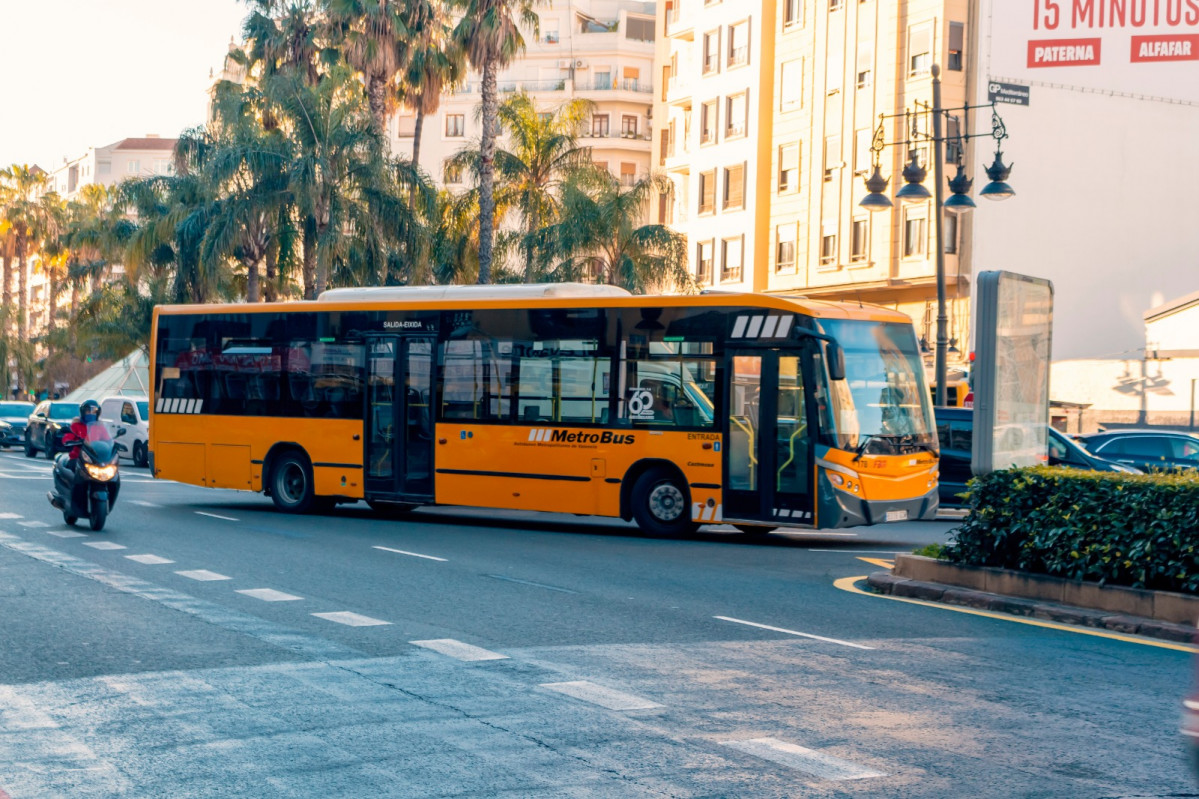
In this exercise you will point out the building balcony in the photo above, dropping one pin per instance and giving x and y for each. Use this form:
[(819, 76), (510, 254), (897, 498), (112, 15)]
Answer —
[(606, 138), (680, 24)]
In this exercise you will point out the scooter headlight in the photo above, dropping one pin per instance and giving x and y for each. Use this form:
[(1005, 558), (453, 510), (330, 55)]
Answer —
[(101, 472)]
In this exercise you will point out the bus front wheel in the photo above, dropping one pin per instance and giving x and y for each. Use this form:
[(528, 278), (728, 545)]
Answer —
[(660, 505), (291, 484)]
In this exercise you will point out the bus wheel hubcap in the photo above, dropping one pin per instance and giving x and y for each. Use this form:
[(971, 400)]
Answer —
[(293, 483), (666, 502)]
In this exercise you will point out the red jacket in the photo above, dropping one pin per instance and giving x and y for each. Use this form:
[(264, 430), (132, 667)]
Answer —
[(79, 432)]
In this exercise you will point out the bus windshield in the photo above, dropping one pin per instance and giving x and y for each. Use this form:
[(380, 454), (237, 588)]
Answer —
[(882, 407)]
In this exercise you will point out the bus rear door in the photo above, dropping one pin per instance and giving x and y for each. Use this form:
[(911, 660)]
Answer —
[(768, 447)]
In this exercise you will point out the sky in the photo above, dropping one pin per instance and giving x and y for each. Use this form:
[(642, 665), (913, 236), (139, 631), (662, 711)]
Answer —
[(87, 73)]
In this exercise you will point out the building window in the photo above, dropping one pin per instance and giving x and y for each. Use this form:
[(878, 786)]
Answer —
[(630, 79), (788, 168), (953, 139), (859, 246), (957, 38), (734, 187), (865, 64), (915, 234), (703, 260), (790, 85), (455, 126), (707, 192), (707, 122), (949, 233), (406, 127), (834, 65), (133, 167), (599, 125), (731, 253), (792, 13), (628, 126), (784, 251), (628, 173), (832, 156), (639, 30), (828, 244), (451, 172), (863, 138), (601, 166), (835, 5), (736, 116), (739, 44), (711, 53), (104, 167), (549, 31), (920, 45)]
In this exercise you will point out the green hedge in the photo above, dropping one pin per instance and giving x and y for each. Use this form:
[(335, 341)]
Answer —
[(1105, 527)]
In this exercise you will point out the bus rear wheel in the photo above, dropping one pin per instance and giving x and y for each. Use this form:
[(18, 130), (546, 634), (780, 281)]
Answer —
[(660, 505), (291, 484)]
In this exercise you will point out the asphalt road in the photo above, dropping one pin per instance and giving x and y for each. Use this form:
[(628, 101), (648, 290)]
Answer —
[(203, 645)]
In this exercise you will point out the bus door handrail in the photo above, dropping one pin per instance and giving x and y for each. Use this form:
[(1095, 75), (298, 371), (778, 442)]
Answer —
[(753, 460), (800, 428)]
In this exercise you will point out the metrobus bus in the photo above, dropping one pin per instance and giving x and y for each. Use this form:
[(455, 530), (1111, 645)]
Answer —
[(673, 411)]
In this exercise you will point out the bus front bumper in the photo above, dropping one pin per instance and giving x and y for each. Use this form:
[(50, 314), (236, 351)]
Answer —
[(842, 509)]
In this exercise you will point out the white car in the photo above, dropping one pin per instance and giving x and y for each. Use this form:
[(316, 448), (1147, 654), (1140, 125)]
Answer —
[(132, 414)]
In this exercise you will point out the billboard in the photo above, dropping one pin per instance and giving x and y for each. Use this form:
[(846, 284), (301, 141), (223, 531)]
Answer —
[(1146, 48), (1014, 332)]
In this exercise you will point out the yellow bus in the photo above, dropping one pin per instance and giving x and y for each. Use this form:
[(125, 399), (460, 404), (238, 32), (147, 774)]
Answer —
[(744, 409)]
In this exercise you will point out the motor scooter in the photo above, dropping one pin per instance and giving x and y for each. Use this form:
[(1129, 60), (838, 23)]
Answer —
[(88, 488)]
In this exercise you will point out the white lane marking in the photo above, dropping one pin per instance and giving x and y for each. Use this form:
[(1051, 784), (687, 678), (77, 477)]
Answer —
[(145, 504), (66, 534), (149, 560), (599, 695), (104, 545), (820, 765), (217, 516), (351, 619), (818, 533), (412, 554), (793, 632), (269, 595), (11, 516), (33, 523), (203, 575), (459, 650), (864, 551)]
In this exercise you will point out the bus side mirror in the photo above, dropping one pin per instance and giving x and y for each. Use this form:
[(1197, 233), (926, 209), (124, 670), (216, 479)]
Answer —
[(836, 361)]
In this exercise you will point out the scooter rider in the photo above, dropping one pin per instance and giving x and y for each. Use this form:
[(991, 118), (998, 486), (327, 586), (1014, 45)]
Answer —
[(84, 427)]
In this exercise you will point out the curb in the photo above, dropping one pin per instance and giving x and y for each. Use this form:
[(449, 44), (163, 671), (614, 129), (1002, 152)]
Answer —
[(886, 583)]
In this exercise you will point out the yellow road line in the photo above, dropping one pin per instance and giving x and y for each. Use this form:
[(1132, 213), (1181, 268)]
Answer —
[(849, 584), (886, 564)]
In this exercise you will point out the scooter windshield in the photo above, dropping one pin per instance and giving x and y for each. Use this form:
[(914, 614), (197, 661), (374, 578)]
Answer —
[(99, 444)]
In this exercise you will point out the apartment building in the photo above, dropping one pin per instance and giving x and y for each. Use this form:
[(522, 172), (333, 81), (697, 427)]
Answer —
[(598, 50), (768, 118), (128, 158)]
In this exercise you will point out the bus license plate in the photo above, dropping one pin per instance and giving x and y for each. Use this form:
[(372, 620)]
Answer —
[(897, 515)]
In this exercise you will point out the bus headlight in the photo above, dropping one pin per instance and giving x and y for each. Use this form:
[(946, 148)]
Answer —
[(101, 472)]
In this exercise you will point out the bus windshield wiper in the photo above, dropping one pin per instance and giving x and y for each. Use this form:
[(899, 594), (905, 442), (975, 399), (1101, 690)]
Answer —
[(861, 450)]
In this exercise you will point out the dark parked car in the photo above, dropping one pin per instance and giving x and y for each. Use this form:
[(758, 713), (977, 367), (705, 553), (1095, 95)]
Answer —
[(48, 423), (1146, 449), (16, 414), (955, 430)]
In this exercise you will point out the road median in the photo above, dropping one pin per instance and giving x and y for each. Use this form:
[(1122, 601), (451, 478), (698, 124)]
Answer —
[(1157, 614)]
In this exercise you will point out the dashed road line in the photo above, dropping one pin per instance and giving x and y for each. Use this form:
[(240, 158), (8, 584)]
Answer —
[(412, 554), (269, 595), (459, 650), (793, 632), (148, 559), (11, 516), (818, 764), (65, 534), (33, 523), (202, 575), (216, 516), (145, 504), (599, 695), (104, 545), (351, 619), (530, 582)]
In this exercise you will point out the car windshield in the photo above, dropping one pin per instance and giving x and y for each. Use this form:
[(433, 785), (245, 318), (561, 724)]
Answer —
[(63, 410), (883, 404), (13, 409), (143, 410)]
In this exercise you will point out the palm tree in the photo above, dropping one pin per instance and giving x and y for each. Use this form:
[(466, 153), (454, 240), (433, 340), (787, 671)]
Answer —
[(372, 35), (489, 34), (602, 235), (433, 62), (282, 36), (24, 219)]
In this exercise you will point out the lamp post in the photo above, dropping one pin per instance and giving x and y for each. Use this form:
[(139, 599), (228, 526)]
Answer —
[(959, 187)]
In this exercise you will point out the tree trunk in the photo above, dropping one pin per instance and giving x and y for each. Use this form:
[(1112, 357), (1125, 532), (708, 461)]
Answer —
[(7, 278), (534, 223), (309, 266), (252, 280), (416, 133), (74, 311), (376, 95), (52, 299), (272, 267), (322, 263), (22, 294), (487, 172)]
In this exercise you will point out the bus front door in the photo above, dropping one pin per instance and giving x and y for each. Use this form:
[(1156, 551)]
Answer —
[(768, 452), (399, 419)]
